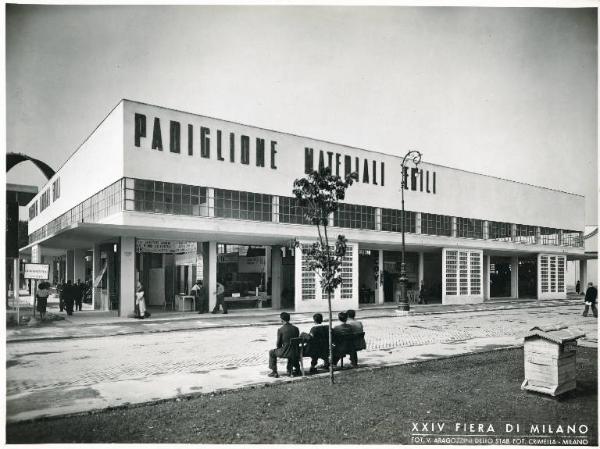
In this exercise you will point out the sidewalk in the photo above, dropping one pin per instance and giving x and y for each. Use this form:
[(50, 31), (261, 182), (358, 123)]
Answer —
[(90, 323)]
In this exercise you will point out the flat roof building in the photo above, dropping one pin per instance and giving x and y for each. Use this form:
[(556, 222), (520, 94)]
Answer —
[(167, 197)]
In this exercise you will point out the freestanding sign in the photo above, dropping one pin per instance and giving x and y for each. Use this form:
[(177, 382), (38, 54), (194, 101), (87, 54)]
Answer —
[(39, 271)]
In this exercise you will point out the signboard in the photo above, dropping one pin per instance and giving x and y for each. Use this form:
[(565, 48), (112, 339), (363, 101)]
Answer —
[(165, 246), (39, 271)]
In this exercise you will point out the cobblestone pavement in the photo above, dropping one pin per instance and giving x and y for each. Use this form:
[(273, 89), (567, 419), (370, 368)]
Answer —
[(41, 374)]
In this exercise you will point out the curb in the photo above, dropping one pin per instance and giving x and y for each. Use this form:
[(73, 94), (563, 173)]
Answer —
[(391, 314)]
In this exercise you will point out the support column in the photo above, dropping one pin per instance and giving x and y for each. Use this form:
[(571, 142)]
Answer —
[(127, 277), (378, 219), (418, 223), (583, 275), (486, 277), (210, 197), (421, 269), (513, 232), (486, 230), (275, 209), (276, 262), (514, 277), (209, 265), (454, 230), (380, 294), (96, 268), (538, 235), (70, 274), (79, 264)]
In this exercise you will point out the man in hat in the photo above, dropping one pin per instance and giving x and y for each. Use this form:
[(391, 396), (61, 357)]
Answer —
[(285, 349), (591, 295)]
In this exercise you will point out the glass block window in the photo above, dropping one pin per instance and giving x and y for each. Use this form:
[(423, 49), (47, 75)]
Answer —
[(475, 274), (346, 287), (433, 224), (451, 272), (469, 228), (354, 216), (550, 236), (290, 211), (243, 205), (391, 220), (462, 272), (500, 231), (560, 287), (525, 234), (544, 274), (308, 280)]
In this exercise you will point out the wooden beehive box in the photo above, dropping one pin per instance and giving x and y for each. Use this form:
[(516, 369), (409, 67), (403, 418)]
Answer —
[(550, 356)]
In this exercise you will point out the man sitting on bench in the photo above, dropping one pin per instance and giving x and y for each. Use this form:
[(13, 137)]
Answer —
[(343, 329), (357, 327), (318, 343), (285, 349)]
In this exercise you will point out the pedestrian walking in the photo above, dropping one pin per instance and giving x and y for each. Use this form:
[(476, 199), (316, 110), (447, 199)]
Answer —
[(590, 300), (41, 295), (140, 300), (220, 299), (578, 287), (79, 298), (70, 294), (61, 295)]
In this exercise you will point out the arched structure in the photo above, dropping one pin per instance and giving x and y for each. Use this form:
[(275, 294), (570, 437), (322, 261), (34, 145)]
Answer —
[(13, 159)]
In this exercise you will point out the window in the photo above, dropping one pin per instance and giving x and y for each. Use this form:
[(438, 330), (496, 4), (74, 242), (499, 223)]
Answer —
[(525, 233), (354, 216), (45, 200), (549, 236), (463, 272), (165, 198), (572, 238), (469, 228), (391, 220), (33, 210), (499, 231), (56, 189), (433, 224), (243, 205), (290, 211)]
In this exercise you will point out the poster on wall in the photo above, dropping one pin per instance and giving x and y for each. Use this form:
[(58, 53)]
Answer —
[(39, 271), (165, 246)]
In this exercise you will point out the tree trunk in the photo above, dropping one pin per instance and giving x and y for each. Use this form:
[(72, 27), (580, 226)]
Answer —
[(330, 339)]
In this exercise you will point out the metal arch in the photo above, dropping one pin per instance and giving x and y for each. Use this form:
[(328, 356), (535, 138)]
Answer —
[(13, 159)]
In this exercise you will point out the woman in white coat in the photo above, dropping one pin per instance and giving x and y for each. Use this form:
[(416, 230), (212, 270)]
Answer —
[(140, 300)]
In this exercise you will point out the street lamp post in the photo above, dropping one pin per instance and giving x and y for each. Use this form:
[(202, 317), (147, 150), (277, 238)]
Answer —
[(415, 157)]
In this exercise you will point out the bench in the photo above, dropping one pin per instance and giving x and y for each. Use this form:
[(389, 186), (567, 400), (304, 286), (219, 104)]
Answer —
[(342, 345), (258, 300)]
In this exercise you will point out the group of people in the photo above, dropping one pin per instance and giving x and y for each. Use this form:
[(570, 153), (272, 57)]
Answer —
[(200, 292), (317, 340), (71, 295)]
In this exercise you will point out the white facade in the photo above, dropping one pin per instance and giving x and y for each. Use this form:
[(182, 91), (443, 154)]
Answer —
[(137, 141)]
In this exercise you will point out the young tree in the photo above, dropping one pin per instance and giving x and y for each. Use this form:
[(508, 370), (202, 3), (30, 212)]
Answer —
[(319, 193)]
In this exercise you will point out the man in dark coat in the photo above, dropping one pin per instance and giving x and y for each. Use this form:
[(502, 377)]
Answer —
[(70, 294), (81, 292), (285, 349), (591, 295), (357, 327), (318, 343), (343, 329)]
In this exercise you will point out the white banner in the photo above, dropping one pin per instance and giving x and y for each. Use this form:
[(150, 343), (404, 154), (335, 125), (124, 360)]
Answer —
[(165, 246), (37, 271), (251, 264)]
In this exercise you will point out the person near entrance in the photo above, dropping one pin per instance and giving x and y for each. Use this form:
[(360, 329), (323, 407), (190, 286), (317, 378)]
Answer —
[(70, 294), (284, 348), (140, 300), (591, 296), (43, 291), (200, 293), (220, 299), (578, 287), (79, 298)]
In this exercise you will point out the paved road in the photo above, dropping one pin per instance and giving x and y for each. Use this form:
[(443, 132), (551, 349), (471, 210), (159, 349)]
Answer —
[(65, 376)]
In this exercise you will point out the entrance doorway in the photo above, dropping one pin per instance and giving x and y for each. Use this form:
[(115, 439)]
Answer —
[(528, 277), (500, 276)]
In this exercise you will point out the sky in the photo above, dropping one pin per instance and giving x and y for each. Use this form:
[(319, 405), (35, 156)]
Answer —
[(507, 92)]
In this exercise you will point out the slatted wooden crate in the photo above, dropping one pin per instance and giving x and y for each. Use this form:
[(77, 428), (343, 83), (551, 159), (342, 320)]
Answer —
[(550, 359)]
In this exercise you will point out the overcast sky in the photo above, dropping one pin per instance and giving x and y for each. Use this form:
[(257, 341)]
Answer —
[(500, 91)]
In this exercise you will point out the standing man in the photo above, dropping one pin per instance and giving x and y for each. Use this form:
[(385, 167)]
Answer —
[(590, 300), (284, 348), (199, 291), (70, 293), (80, 292), (220, 299)]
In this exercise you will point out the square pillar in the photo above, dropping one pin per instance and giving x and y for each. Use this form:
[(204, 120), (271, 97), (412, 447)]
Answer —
[(514, 277), (70, 274), (79, 264), (418, 223), (127, 277), (486, 230), (96, 270), (538, 235), (380, 294), (583, 275), (210, 198), (275, 209), (276, 262), (454, 227), (513, 232), (378, 219), (486, 277), (209, 267), (421, 272), (36, 254)]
